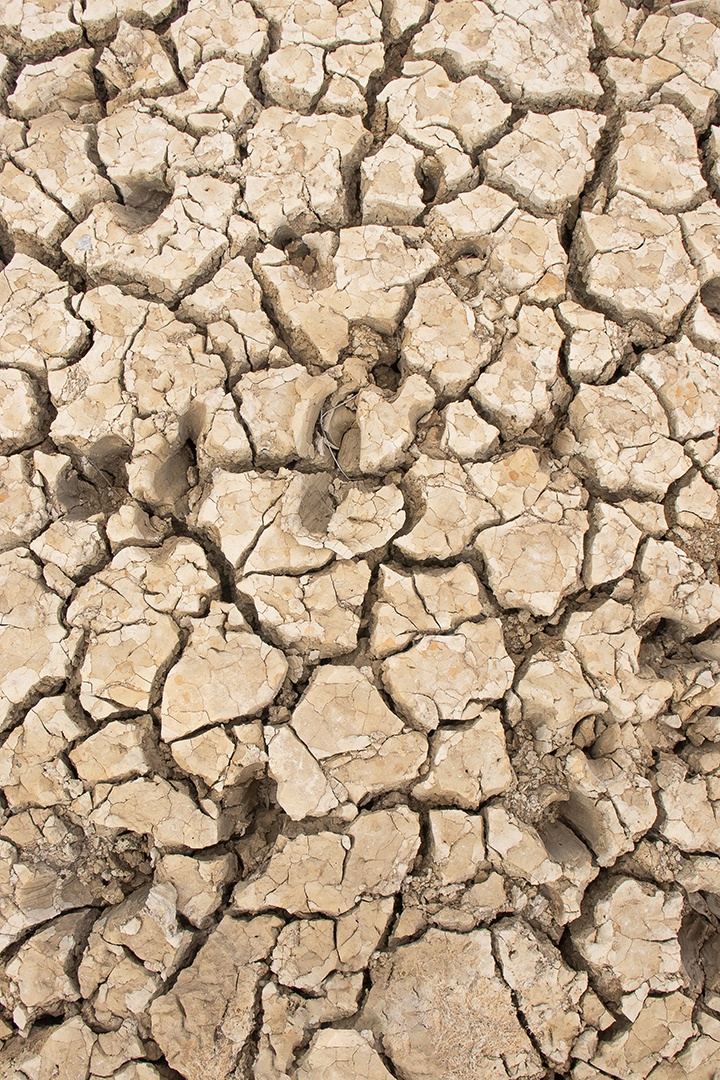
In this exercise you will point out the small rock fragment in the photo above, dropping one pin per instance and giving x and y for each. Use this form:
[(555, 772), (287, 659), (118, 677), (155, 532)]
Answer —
[(657, 160), (452, 510), (548, 991), (161, 810), (316, 614)]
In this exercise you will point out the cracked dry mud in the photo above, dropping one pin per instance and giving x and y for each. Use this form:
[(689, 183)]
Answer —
[(359, 540)]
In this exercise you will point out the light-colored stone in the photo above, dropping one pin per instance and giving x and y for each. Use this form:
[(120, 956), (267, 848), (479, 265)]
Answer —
[(36, 647), (517, 849), (38, 31), (207, 755), (229, 305), (281, 407), (75, 547), (40, 328), (119, 751), (23, 512), (449, 120), (368, 278), (535, 560), (234, 508), (360, 744), (696, 503), (100, 18), (135, 65), (41, 974), (451, 510), (294, 540), (513, 483), (305, 953), (118, 984), (199, 883), (610, 803), (555, 697), (386, 424), (424, 602), (157, 808), (145, 924), (466, 435), (687, 383), (36, 222), (165, 258), (296, 169), (65, 83), (52, 1048), (216, 100), (595, 347), (538, 54), (460, 225), (58, 152), (450, 676), (293, 76), (674, 587), (457, 845), (332, 1055), (329, 872), (663, 1026), (358, 932), (701, 229), (303, 790), (608, 649), (142, 154), (440, 340), (687, 815), (611, 547), (365, 519), (225, 29), (322, 23), (359, 62), (132, 636), (548, 991), (32, 770)]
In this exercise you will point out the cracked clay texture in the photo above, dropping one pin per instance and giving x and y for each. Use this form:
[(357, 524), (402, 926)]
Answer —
[(359, 540)]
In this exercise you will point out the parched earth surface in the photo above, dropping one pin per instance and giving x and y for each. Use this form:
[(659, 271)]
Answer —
[(359, 539)]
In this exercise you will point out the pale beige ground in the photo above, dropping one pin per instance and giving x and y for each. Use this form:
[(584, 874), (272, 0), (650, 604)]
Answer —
[(359, 539)]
